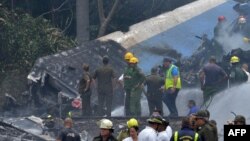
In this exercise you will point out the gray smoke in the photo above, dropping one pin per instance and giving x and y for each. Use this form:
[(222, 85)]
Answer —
[(235, 99)]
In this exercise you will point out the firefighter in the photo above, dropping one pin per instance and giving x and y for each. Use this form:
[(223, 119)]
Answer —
[(124, 82), (131, 123), (219, 29), (106, 130), (136, 78), (172, 86), (105, 79), (237, 75)]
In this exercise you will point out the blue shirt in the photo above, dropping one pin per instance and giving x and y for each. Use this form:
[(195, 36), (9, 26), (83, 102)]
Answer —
[(193, 110), (175, 71)]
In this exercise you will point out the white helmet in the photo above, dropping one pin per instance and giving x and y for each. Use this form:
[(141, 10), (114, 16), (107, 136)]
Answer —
[(106, 124), (242, 20)]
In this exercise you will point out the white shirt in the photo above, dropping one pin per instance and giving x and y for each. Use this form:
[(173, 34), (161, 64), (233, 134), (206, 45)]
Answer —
[(169, 131), (163, 136), (147, 134), (128, 139)]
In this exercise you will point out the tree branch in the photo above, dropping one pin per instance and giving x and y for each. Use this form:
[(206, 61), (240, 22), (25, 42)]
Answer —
[(54, 10), (101, 11), (106, 21), (112, 12)]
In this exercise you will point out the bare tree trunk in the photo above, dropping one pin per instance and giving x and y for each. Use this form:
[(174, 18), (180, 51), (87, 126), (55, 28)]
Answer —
[(104, 21), (82, 20)]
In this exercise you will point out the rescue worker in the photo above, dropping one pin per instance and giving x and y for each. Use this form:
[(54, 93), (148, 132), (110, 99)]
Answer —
[(185, 133), (211, 78), (213, 124), (240, 26), (238, 120), (125, 133), (163, 135), (133, 86), (154, 94), (124, 82), (133, 134), (85, 91), (106, 127), (149, 133), (68, 134), (172, 86), (105, 79), (204, 129), (127, 57), (192, 107), (237, 75), (219, 29)]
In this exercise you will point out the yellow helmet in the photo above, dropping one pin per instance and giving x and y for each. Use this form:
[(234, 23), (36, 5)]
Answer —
[(132, 122), (133, 60), (128, 56), (235, 59)]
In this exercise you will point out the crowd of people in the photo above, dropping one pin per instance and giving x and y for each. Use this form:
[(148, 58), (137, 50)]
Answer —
[(194, 127), (162, 85)]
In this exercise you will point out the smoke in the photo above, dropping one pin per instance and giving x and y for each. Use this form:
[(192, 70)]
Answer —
[(231, 39), (181, 103), (235, 99)]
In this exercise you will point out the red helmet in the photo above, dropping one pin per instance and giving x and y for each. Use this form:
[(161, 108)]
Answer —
[(221, 18)]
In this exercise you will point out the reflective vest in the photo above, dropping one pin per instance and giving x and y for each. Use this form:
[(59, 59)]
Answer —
[(169, 81), (196, 135)]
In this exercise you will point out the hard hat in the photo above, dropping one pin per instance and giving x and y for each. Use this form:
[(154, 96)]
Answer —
[(201, 114), (106, 124), (133, 60), (221, 18), (242, 20), (240, 118), (128, 56), (132, 122), (246, 40), (155, 119), (234, 59)]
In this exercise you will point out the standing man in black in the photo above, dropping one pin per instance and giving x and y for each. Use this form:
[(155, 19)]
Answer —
[(211, 78), (84, 90), (154, 82), (104, 76), (68, 134)]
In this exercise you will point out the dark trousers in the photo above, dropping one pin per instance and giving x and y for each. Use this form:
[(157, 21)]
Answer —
[(105, 100), (86, 108), (154, 102), (127, 102), (169, 99)]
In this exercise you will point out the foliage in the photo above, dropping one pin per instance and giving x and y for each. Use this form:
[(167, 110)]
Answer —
[(23, 39)]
